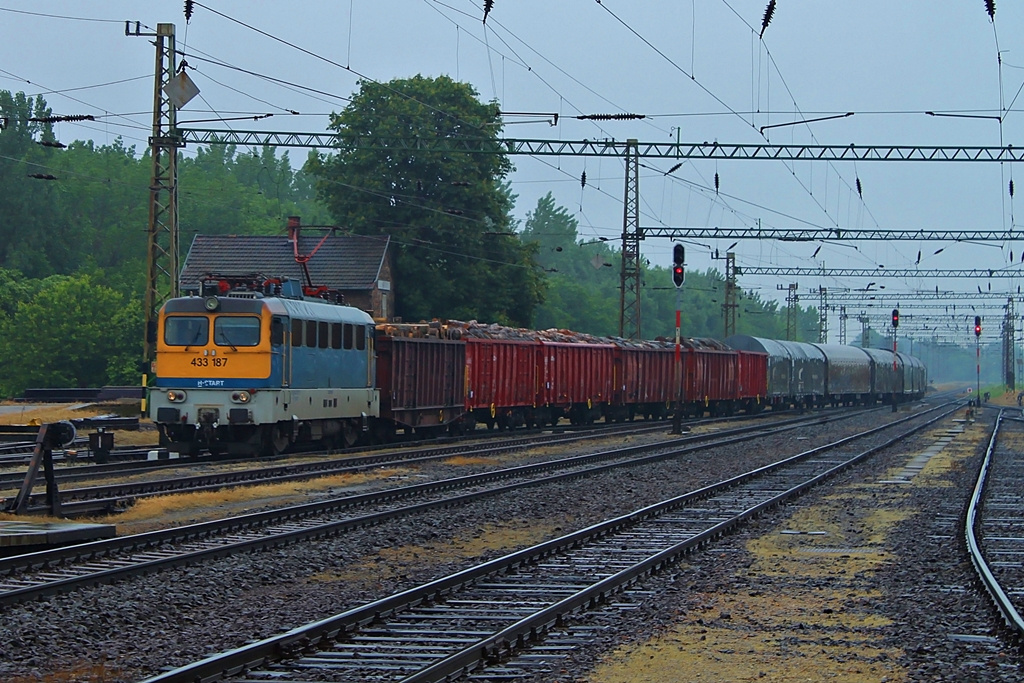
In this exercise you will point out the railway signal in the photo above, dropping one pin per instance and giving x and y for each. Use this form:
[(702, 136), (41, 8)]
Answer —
[(678, 277), (895, 324), (678, 258), (977, 345)]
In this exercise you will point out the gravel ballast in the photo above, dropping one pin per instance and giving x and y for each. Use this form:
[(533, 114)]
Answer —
[(917, 594)]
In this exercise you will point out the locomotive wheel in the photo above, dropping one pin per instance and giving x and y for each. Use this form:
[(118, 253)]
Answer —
[(272, 442), (350, 434)]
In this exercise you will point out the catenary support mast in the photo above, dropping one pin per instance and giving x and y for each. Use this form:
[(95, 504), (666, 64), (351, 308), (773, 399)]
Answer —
[(632, 234), (162, 231)]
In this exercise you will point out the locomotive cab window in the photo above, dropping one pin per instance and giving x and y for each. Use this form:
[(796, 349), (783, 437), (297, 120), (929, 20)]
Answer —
[(335, 335), (360, 337), (348, 336), (236, 331), (182, 330), (297, 326), (311, 334)]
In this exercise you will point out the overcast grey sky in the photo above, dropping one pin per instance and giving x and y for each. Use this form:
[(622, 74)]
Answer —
[(697, 68)]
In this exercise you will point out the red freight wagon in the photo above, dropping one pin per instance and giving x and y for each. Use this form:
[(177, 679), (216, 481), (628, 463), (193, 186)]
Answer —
[(753, 380), (645, 380), (420, 380), (576, 379), (710, 375), (502, 381)]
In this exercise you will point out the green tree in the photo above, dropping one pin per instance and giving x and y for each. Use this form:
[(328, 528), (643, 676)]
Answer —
[(449, 213), (14, 288), (72, 332), (103, 204), (226, 192), (582, 289), (32, 239)]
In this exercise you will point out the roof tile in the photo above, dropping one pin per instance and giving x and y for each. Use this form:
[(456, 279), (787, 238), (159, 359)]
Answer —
[(342, 262)]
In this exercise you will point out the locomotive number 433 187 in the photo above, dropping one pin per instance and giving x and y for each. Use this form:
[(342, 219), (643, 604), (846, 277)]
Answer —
[(206, 362)]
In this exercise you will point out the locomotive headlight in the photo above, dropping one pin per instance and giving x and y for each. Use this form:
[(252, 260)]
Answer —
[(211, 303), (176, 396), (241, 397)]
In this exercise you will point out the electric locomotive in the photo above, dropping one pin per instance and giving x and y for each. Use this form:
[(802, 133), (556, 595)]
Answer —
[(251, 366)]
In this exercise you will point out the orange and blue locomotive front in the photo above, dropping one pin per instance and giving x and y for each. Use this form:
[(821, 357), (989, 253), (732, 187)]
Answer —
[(228, 347), (254, 373)]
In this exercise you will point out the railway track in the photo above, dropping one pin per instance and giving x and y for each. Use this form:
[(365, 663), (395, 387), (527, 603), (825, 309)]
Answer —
[(127, 459), (108, 498), (505, 618), (994, 527), (30, 576)]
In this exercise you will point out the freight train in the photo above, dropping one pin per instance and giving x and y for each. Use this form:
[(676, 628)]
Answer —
[(250, 366)]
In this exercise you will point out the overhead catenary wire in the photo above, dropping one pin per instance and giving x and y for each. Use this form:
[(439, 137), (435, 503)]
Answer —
[(519, 60), (61, 16), (63, 94), (732, 110), (492, 21), (344, 67)]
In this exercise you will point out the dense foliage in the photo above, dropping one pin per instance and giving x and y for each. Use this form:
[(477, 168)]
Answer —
[(583, 289), (73, 242), (449, 215)]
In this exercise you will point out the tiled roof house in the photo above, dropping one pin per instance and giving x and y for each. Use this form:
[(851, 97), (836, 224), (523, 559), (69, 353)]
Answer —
[(357, 265)]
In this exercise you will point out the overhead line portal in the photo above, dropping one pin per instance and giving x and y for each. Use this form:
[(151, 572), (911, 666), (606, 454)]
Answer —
[(615, 148)]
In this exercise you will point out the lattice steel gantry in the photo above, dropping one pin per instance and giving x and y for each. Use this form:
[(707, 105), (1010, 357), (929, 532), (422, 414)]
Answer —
[(632, 150), (977, 273), (822, 315), (729, 306), (632, 234), (618, 148), (1009, 348), (792, 298), (162, 231)]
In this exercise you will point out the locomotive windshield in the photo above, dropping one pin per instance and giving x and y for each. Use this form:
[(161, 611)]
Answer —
[(182, 330), (236, 331)]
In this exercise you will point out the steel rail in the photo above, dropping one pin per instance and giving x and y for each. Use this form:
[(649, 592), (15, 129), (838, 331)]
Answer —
[(1002, 602), (308, 639), (76, 472), (94, 499), (450, 445), (111, 497), (143, 553)]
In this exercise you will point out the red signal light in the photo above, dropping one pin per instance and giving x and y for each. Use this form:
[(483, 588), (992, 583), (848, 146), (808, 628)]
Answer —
[(678, 261)]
